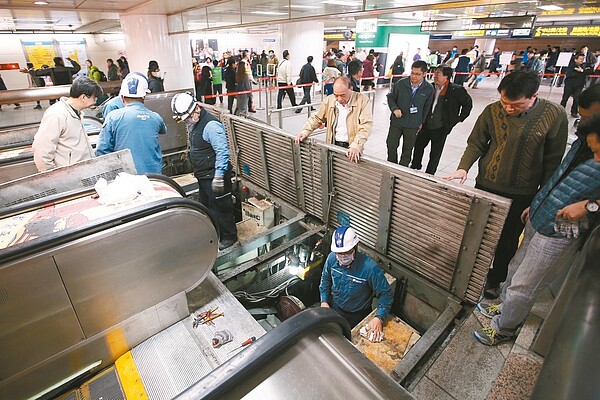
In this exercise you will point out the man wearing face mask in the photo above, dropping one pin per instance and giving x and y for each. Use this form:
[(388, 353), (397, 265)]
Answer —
[(351, 279), (209, 154)]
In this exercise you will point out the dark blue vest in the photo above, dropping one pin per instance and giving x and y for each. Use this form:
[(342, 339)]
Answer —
[(202, 154)]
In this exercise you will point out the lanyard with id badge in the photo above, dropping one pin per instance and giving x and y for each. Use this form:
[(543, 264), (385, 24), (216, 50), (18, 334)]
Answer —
[(413, 109)]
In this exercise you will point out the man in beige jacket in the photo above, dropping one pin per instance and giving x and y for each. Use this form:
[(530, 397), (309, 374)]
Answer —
[(61, 139), (348, 117)]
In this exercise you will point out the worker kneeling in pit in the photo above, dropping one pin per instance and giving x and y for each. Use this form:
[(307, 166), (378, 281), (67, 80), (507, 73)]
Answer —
[(209, 154), (350, 280)]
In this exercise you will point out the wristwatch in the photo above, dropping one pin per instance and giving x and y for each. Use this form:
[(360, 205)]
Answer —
[(592, 207)]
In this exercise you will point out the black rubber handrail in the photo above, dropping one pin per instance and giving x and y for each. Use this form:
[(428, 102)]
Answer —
[(570, 370), (75, 193), (262, 352), (119, 218)]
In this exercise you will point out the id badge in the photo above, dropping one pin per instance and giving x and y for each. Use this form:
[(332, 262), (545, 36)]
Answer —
[(414, 110)]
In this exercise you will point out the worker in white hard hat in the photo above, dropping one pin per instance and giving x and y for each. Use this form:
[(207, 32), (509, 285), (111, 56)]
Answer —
[(134, 127), (209, 154), (351, 279)]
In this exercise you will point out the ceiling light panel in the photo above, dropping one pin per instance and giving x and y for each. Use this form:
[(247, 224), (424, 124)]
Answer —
[(224, 14)]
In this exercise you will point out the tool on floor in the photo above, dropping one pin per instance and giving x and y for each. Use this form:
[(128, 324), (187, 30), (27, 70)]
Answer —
[(206, 317), (244, 343), (220, 338)]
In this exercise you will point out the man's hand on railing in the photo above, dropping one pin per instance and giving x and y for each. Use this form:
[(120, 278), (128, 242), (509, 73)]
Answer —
[(300, 137), (459, 174), (353, 155)]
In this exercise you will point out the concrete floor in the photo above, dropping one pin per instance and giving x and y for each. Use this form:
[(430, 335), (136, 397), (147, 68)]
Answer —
[(464, 369)]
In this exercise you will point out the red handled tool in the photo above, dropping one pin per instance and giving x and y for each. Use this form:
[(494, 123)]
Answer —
[(245, 343)]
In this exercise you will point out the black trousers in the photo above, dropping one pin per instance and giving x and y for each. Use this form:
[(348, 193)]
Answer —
[(571, 91), (282, 92), (221, 207), (306, 98), (230, 100), (509, 237), (437, 137), (218, 89)]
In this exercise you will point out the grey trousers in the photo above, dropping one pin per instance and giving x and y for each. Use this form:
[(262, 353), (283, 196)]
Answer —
[(539, 260), (409, 136)]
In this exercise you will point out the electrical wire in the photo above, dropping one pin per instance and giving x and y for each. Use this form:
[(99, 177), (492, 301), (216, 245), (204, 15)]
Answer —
[(265, 294)]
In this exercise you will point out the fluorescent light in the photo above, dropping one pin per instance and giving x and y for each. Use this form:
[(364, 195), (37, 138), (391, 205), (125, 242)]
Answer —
[(336, 28), (40, 3), (342, 3), (551, 7), (268, 13), (303, 7)]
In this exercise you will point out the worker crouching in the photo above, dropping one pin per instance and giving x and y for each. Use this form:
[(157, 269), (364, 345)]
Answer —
[(351, 279)]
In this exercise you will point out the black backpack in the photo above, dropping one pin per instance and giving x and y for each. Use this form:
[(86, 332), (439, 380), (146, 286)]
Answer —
[(102, 76)]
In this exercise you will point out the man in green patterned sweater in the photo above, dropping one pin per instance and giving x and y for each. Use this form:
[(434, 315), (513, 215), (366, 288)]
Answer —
[(519, 142)]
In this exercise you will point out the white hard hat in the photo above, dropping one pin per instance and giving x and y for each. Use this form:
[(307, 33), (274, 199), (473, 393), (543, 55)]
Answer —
[(344, 239), (134, 85), (182, 105)]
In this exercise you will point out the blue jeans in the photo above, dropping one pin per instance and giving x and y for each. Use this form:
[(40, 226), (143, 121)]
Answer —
[(538, 261)]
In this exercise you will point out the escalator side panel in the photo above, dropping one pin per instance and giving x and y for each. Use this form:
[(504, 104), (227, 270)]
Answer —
[(10, 172), (34, 308), (105, 347), (113, 275), (83, 174)]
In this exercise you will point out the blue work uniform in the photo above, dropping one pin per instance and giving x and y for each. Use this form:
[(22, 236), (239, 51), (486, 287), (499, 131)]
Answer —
[(113, 104), (136, 128), (349, 290)]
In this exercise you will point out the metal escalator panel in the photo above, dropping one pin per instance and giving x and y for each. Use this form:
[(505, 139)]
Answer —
[(101, 279)]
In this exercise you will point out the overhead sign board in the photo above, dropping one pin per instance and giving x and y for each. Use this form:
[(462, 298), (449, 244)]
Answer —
[(366, 25), (576, 31), (522, 22)]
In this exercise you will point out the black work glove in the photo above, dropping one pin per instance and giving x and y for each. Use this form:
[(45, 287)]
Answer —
[(218, 185)]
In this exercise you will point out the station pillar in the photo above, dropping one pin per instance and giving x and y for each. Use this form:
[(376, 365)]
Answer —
[(302, 39), (147, 38)]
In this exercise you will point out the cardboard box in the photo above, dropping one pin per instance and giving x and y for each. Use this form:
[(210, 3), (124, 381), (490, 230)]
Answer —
[(263, 211)]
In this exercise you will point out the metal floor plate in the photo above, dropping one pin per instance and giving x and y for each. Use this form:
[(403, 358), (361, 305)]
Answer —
[(170, 362), (174, 359)]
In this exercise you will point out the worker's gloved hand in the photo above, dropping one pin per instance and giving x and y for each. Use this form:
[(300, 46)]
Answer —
[(218, 185)]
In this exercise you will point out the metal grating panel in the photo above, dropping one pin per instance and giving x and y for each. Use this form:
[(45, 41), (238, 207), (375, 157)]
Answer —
[(172, 353), (280, 166), (311, 177), (357, 196), (427, 218), (106, 386), (249, 155)]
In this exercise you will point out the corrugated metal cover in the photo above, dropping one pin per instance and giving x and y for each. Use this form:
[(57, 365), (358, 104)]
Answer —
[(427, 218)]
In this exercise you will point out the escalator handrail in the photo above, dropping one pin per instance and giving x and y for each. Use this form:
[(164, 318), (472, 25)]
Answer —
[(61, 197), (261, 353), (65, 236), (570, 370)]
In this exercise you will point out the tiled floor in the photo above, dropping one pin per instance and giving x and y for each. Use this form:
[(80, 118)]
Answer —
[(464, 369)]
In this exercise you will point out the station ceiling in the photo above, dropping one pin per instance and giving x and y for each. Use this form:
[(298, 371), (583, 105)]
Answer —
[(102, 16)]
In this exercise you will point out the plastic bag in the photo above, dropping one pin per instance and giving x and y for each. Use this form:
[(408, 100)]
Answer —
[(125, 187)]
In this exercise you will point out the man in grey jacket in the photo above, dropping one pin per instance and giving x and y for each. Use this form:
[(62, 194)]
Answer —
[(61, 139), (409, 101)]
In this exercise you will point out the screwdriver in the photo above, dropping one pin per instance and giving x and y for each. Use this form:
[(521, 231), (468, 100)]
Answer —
[(245, 343)]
